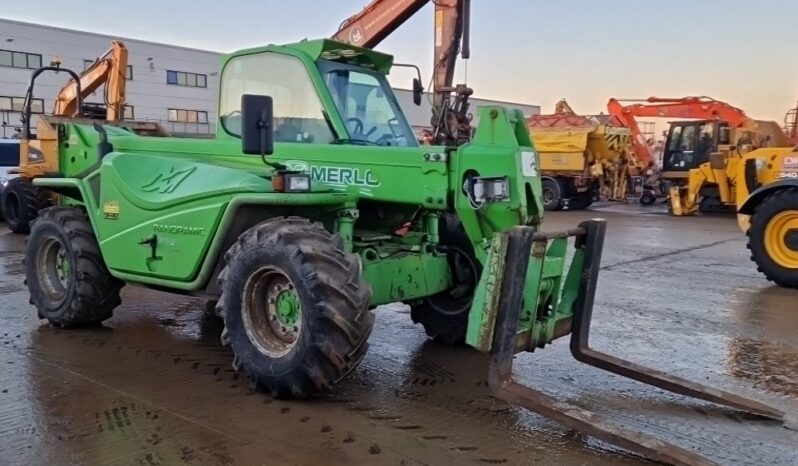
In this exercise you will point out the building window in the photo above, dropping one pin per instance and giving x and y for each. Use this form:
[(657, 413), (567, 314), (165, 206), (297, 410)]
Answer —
[(188, 116), (129, 113), (181, 78), (17, 104), (128, 75), (22, 60)]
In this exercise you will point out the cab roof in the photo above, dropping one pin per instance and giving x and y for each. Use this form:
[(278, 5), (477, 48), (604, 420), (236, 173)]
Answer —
[(327, 49)]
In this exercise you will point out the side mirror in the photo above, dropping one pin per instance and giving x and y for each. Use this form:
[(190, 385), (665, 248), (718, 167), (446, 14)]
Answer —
[(257, 124), (418, 91)]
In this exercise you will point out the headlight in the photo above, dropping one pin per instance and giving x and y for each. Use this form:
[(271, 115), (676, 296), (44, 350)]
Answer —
[(297, 183), (494, 189), (760, 164)]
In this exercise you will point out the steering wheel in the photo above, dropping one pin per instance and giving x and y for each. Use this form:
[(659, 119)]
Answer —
[(359, 127)]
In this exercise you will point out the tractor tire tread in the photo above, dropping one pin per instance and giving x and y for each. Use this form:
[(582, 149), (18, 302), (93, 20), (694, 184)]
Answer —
[(779, 201), (343, 321), (96, 290), (33, 199)]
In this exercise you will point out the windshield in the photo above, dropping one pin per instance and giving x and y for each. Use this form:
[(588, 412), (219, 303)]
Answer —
[(368, 106)]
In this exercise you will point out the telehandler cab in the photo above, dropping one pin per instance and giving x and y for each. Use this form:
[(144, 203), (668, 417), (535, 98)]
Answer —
[(312, 206)]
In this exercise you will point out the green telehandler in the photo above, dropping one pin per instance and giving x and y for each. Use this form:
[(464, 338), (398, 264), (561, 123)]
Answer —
[(314, 205)]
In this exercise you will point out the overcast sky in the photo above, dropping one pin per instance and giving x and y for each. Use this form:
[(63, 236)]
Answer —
[(531, 51)]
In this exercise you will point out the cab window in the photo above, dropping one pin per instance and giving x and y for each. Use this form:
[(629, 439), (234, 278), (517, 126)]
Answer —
[(298, 111)]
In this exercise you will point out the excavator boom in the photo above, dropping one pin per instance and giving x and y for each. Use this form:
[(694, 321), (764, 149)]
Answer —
[(110, 69), (701, 108)]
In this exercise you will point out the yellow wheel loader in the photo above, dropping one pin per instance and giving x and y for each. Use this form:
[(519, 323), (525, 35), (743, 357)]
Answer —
[(761, 185)]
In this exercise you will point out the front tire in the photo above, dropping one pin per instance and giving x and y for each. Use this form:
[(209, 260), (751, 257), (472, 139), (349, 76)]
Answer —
[(295, 307), (773, 238), (21, 202), (68, 282), (445, 315)]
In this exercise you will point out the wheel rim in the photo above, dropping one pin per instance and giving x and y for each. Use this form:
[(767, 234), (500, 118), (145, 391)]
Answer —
[(547, 196), (272, 312), (55, 269), (781, 239)]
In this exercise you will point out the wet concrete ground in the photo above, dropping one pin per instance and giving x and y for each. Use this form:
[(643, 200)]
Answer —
[(155, 387)]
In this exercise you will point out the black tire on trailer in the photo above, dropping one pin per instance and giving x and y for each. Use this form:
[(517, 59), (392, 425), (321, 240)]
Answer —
[(21, 202), (445, 315), (773, 237), (648, 198), (68, 281), (551, 194), (295, 307)]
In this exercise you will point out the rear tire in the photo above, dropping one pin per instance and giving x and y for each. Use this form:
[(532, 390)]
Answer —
[(21, 202), (551, 195), (295, 307), (445, 315), (64, 270), (773, 238)]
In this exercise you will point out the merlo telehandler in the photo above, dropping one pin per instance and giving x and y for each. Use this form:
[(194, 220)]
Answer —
[(315, 204)]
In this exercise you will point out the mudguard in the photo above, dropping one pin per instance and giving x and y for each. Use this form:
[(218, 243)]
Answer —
[(750, 204)]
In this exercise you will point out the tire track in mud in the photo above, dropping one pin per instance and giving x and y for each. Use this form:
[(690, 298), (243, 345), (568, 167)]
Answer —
[(214, 365), (418, 420)]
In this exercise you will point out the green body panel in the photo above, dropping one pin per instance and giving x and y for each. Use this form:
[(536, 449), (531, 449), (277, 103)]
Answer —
[(548, 299), (410, 276), (500, 133), (166, 209)]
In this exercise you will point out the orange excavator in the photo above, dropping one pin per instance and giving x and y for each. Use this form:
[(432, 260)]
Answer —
[(717, 133), (21, 200), (110, 69), (451, 122), (683, 149)]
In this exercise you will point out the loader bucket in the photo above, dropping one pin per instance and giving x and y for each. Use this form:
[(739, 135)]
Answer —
[(679, 203), (522, 248)]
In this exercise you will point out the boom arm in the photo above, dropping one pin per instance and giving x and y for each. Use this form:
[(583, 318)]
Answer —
[(376, 21), (701, 108), (110, 69)]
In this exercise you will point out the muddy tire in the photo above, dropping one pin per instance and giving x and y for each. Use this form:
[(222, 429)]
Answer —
[(773, 238), (445, 315), (551, 195), (21, 202), (295, 307), (64, 270)]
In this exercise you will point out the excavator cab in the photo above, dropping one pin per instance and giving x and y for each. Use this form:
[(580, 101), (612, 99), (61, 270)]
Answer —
[(690, 144)]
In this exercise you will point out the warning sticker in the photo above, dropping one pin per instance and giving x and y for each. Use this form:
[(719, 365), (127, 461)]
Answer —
[(111, 210)]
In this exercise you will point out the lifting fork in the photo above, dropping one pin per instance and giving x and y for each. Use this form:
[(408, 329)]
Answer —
[(589, 239)]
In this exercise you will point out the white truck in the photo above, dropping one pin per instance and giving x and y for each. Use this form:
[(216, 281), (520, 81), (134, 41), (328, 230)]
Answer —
[(9, 159)]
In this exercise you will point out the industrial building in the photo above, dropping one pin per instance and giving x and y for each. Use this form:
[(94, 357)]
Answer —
[(176, 86)]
